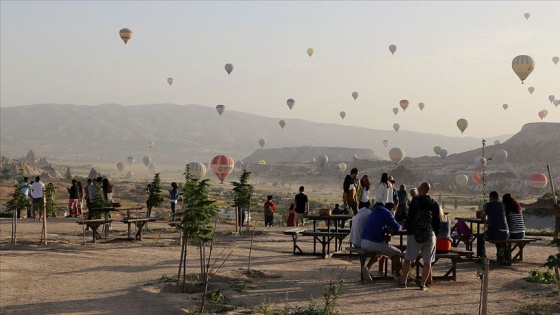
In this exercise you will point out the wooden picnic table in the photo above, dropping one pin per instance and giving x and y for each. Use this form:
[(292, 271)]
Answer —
[(325, 237), (139, 223), (94, 224)]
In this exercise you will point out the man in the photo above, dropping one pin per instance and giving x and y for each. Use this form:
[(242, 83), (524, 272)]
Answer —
[(497, 227), (350, 188), (358, 224), (37, 192), (302, 206), (422, 225), (74, 193), (24, 186), (380, 222)]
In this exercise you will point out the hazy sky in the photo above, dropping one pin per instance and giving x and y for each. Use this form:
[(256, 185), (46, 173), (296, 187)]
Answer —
[(453, 56)]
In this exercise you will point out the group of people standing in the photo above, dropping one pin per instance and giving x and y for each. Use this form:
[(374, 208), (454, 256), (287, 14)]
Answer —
[(33, 191)]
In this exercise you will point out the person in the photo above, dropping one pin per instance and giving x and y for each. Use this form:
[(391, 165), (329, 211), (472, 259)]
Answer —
[(38, 193), (269, 209), (89, 197), (443, 240), (302, 205), (108, 190), (514, 217), (381, 221), (402, 208), (148, 192), (422, 226), (80, 198), (173, 198), (97, 197), (291, 221), (350, 188), (24, 187), (363, 192), (338, 210), (413, 193), (358, 224), (74, 192), (395, 194), (384, 192), (494, 212)]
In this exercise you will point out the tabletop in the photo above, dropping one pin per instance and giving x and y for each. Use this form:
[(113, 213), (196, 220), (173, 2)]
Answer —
[(329, 217), (470, 220)]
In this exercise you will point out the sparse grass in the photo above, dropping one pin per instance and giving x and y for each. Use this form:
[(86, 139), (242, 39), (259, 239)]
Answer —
[(534, 232), (539, 276)]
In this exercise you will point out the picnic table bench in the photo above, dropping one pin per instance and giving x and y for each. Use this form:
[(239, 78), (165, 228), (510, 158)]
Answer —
[(363, 255), (139, 223), (294, 232), (94, 224), (325, 238), (450, 274), (514, 246)]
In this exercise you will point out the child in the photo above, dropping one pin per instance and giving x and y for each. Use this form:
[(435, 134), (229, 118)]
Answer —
[(269, 209), (291, 216)]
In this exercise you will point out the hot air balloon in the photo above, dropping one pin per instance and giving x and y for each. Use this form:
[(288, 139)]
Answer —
[(151, 143), (222, 166), (527, 15), (436, 149), (497, 142), (480, 161), (170, 81), (461, 180), (354, 157), (130, 159), (341, 167), (505, 106), (556, 102), (477, 178), (262, 142), (396, 127), (129, 174), (500, 156), (290, 103), (421, 106), (197, 169), (523, 65), (229, 68), (404, 104), (555, 60), (392, 49), (462, 124), (125, 35), (310, 51), (342, 115), (282, 123), (531, 89), (385, 143), (396, 155), (443, 153), (120, 166), (355, 95), (152, 167), (261, 162), (239, 165), (323, 159), (395, 110), (551, 98), (543, 113), (538, 180), (220, 109), (146, 160)]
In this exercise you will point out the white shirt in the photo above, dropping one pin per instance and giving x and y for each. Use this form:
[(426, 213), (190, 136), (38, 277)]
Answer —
[(358, 224), (37, 189), (384, 194), (365, 195)]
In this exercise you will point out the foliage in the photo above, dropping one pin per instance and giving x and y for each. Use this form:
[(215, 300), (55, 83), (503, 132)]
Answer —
[(243, 191), (539, 276), (51, 207), (553, 261), (155, 198), (535, 232), (332, 290), (215, 296)]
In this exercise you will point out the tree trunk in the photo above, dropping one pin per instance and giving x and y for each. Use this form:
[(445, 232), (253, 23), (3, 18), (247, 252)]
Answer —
[(180, 266)]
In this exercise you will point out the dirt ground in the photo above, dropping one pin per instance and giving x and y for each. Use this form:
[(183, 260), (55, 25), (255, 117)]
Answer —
[(117, 276)]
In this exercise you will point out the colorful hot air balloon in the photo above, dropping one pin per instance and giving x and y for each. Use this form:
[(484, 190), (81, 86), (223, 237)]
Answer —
[(538, 180), (229, 68), (396, 127), (421, 106), (220, 109), (555, 60), (146, 160), (404, 104), (523, 65), (342, 115), (290, 103), (222, 166), (436, 149), (462, 124), (392, 49), (505, 106), (443, 153), (120, 166), (170, 81), (129, 174), (262, 142), (543, 113), (355, 95), (531, 89), (341, 167), (152, 167), (477, 178), (551, 98), (151, 143), (130, 159), (310, 52), (261, 162), (396, 155), (385, 143), (395, 110), (500, 156), (197, 169), (125, 35), (282, 123), (323, 160), (461, 180), (526, 15)]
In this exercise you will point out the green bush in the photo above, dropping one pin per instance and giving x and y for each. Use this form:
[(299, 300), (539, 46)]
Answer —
[(539, 276)]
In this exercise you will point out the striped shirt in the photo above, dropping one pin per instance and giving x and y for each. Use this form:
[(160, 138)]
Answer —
[(515, 221)]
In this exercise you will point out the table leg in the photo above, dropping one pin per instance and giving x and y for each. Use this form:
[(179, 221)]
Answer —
[(140, 226)]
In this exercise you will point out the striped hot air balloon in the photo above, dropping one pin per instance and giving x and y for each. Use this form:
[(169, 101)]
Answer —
[(222, 166), (197, 169), (523, 65), (125, 35)]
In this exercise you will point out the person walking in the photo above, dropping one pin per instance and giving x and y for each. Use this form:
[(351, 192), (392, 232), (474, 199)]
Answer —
[(173, 198), (269, 208), (74, 192), (302, 205)]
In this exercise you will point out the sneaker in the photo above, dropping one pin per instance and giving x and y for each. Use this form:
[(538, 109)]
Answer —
[(365, 274), (423, 288)]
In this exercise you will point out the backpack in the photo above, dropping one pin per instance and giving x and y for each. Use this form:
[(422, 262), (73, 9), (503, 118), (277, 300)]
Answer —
[(423, 221), (268, 209)]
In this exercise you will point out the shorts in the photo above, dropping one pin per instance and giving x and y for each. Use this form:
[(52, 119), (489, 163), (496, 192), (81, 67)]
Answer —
[(300, 216), (383, 248), (38, 200), (427, 249)]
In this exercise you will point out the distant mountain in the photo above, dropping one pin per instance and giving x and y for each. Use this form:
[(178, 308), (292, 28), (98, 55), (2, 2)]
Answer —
[(113, 132)]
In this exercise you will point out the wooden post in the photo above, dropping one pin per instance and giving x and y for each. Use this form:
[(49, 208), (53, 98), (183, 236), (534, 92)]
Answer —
[(14, 227), (236, 219), (44, 237), (485, 286)]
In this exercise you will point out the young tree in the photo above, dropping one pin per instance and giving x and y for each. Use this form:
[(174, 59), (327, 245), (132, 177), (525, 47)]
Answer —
[(243, 191), (155, 198)]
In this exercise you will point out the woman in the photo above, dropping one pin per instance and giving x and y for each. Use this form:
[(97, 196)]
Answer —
[(148, 192), (384, 190), (107, 190), (291, 221), (363, 193), (173, 197), (402, 208), (80, 198), (514, 217)]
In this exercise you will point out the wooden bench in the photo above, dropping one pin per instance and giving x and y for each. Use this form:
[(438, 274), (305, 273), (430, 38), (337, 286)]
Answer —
[(363, 255), (139, 223), (468, 254), (294, 232), (450, 274), (94, 224), (341, 230), (325, 238), (514, 246)]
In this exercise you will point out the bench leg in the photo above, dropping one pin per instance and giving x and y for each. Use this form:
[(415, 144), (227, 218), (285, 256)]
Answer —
[(296, 247), (362, 264), (140, 226)]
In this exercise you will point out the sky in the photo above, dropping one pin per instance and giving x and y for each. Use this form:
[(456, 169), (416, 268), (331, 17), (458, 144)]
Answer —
[(453, 56)]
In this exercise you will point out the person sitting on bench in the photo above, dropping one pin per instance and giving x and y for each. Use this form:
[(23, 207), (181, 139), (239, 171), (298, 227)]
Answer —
[(358, 224), (497, 227), (514, 217)]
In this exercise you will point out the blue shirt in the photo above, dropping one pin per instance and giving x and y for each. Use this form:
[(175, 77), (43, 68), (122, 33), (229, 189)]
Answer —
[(379, 222)]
